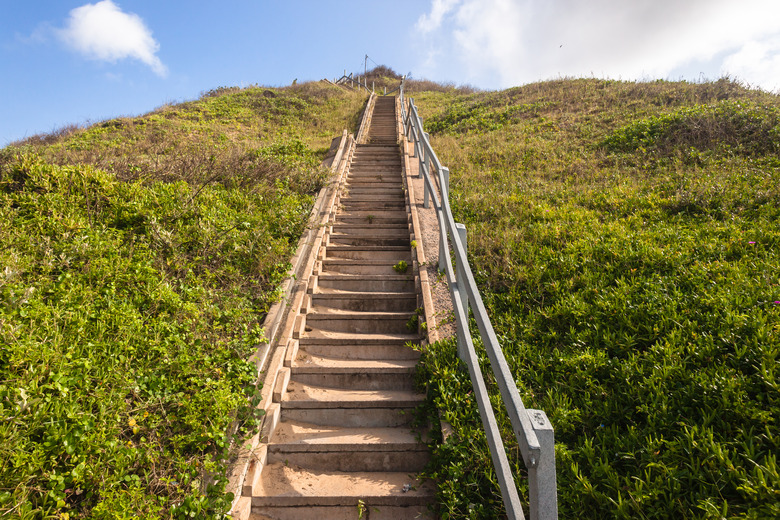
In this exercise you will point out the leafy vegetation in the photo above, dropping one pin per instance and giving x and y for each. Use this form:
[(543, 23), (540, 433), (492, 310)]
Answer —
[(138, 259), (625, 236)]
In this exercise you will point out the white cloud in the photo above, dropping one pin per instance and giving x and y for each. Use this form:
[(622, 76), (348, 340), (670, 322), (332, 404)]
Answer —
[(439, 8), (102, 31), (499, 43), (756, 62)]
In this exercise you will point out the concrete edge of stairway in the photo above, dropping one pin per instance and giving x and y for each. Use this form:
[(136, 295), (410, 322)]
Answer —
[(278, 324)]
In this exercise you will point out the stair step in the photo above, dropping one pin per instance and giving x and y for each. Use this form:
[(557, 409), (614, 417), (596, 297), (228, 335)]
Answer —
[(392, 192), (358, 322), (368, 252), (367, 283), (303, 396), (336, 238), (376, 200), (305, 437), (310, 364), (357, 268), (363, 352), (293, 486), (367, 302), (372, 229), (322, 337), (336, 448), (338, 378)]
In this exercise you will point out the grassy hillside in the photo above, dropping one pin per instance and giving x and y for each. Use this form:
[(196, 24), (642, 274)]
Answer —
[(626, 239), (137, 260), (625, 236)]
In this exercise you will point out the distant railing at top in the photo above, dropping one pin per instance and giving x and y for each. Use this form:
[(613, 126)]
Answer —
[(351, 80), (532, 429)]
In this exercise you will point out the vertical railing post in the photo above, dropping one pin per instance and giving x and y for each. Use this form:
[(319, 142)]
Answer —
[(427, 191), (444, 250), (461, 272), (422, 153), (542, 486)]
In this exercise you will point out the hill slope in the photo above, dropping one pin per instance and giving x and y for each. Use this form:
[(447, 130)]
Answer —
[(138, 258), (626, 238)]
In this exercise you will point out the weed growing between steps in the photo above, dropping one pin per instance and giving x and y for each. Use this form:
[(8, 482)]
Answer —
[(138, 259), (625, 238)]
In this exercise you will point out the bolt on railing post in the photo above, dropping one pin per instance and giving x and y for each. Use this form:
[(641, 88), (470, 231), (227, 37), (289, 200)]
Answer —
[(542, 486)]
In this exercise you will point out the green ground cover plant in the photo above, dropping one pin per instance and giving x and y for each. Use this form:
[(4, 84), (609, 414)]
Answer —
[(137, 260), (625, 237)]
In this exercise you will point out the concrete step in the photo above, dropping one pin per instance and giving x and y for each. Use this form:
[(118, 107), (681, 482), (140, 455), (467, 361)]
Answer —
[(363, 204), (367, 240), (349, 341), (395, 216), (301, 396), (381, 267), (368, 302), (372, 229), (374, 173), (394, 253), (288, 492), (367, 283), (363, 352), (362, 217), (378, 374), (395, 200), (382, 194), (378, 180), (392, 156), (349, 408), (324, 319), (336, 448), (377, 148)]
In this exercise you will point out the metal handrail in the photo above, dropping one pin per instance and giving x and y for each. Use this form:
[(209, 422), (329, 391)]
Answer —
[(532, 428)]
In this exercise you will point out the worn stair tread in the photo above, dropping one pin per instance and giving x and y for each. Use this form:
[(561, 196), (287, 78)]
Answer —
[(310, 363), (325, 337), (341, 293), (368, 226), (320, 312), (292, 485), (309, 396), (367, 277), (300, 436), (357, 261), (337, 248)]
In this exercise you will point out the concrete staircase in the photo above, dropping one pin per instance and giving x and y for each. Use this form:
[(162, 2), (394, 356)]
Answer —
[(342, 445)]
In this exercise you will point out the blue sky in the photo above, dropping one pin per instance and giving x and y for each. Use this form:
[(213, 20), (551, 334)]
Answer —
[(76, 61)]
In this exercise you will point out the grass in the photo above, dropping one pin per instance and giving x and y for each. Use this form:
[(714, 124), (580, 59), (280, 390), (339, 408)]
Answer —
[(138, 259), (625, 239)]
